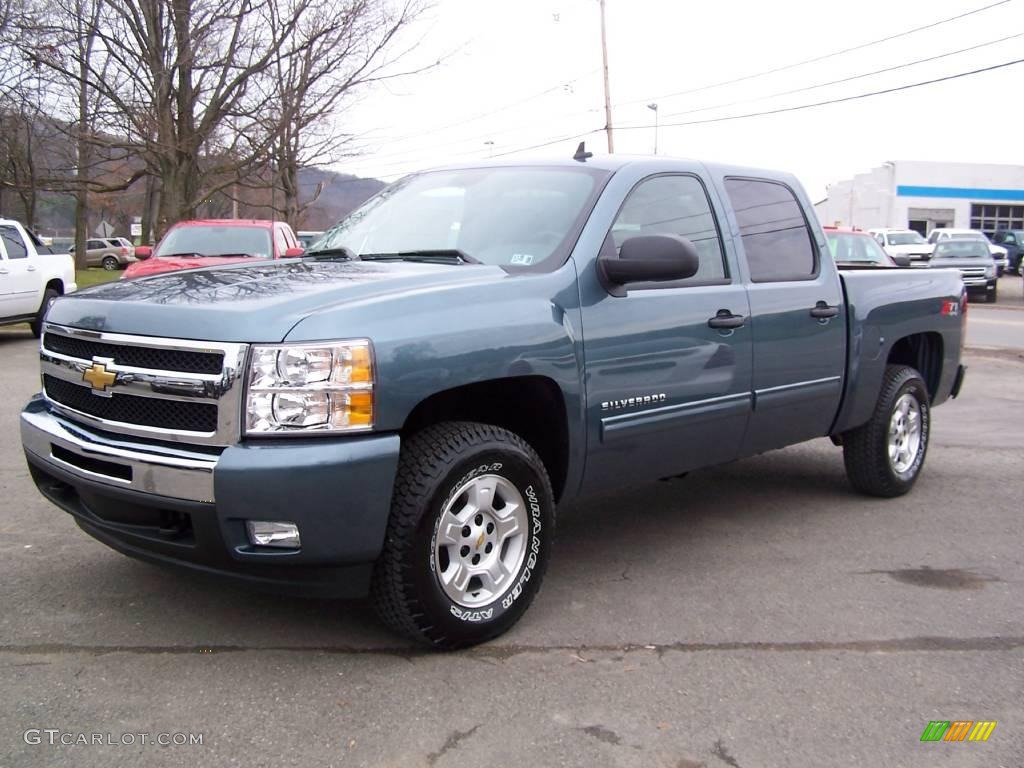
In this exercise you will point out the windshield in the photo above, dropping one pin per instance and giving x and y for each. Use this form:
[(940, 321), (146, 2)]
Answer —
[(207, 240), (905, 238), (850, 248), (960, 249), (504, 216)]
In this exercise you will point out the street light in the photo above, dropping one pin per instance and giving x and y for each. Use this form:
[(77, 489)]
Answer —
[(490, 148), (654, 108)]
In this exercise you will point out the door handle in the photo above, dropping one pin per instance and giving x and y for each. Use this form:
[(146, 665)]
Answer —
[(30, 268), (725, 320), (823, 311), (4, 272)]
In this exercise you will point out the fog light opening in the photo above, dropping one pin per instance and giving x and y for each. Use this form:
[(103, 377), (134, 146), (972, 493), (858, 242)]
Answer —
[(263, 533)]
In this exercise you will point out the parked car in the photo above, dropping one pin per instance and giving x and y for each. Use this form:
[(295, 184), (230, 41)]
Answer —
[(856, 249), (400, 410), (308, 237), (904, 242), (215, 242), (974, 260), (31, 277), (998, 252), (110, 253), (1013, 241)]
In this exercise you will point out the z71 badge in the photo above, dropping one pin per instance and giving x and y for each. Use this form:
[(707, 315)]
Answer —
[(632, 402)]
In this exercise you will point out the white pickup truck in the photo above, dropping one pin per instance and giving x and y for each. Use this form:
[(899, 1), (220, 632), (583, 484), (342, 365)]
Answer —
[(31, 277)]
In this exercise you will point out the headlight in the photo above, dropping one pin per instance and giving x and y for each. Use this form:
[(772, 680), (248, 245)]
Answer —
[(990, 271), (301, 388)]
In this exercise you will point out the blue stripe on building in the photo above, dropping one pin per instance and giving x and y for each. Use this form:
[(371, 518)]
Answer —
[(961, 192)]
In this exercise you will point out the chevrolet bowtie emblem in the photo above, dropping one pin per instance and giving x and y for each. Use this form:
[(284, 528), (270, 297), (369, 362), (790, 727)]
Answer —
[(480, 541), (98, 377)]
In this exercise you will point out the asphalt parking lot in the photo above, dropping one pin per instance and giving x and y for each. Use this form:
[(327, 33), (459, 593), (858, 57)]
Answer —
[(757, 614)]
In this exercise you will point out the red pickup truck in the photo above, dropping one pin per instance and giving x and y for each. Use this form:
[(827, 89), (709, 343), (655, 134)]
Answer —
[(212, 242)]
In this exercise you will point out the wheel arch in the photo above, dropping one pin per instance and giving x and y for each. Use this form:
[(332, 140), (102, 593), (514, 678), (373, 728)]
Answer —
[(531, 406), (924, 353)]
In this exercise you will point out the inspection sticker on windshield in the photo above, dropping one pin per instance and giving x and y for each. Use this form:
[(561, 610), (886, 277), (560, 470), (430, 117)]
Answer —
[(522, 259)]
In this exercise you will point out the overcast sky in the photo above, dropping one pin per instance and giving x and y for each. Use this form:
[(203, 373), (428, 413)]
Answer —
[(525, 72)]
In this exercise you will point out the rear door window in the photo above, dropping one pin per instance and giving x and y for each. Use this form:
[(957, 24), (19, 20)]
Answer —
[(12, 241), (777, 240)]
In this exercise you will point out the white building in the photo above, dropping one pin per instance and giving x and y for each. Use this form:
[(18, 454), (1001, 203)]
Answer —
[(925, 196)]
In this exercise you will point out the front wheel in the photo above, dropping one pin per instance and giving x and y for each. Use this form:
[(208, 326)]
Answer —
[(469, 536), (884, 457)]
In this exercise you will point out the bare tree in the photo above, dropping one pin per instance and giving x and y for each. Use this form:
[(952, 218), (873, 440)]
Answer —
[(336, 49)]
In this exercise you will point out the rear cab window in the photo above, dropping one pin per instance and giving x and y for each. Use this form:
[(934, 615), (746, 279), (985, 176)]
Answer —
[(777, 239)]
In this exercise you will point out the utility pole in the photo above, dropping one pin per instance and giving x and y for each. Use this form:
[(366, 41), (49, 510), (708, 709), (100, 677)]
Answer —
[(607, 90), (654, 108)]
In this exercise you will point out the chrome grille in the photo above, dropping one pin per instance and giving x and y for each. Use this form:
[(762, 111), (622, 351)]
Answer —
[(174, 390), (139, 357)]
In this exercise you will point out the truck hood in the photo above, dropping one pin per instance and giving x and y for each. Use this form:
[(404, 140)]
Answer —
[(961, 263), (251, 302), (158, 264), (920, 249)]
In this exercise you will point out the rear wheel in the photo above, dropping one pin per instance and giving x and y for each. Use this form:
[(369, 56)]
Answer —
[(468, 538), (884, 457), (110, 263), (49, 296)]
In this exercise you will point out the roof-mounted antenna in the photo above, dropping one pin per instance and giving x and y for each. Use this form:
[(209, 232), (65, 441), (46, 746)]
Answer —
[(581, 153)]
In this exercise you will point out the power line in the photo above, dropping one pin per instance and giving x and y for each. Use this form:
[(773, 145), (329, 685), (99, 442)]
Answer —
[(829, 101), (840, 80), (549, 143), (816, 59), (493, 112)]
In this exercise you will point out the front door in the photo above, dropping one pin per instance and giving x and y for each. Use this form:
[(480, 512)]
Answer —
[(799, 318), (666, 392)]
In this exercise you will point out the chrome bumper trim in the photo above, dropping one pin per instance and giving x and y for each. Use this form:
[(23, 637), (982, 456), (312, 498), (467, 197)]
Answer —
[(177, 473)]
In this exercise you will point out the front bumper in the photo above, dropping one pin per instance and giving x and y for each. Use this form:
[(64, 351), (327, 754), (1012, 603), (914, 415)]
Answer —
[(188, 506)]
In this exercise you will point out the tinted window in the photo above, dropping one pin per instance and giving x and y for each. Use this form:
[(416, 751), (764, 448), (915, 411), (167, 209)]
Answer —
[(673, 205), (95, 244), (961, 249), (776, 239), (12, 241)]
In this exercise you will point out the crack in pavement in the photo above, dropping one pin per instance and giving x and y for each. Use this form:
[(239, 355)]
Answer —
[(723, 754), (453, 740), (501, 652)]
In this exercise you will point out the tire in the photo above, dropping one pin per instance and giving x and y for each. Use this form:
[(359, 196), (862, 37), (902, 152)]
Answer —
[(991, 298), (415, 577), (866, 449), (49, 296), (109, 263)]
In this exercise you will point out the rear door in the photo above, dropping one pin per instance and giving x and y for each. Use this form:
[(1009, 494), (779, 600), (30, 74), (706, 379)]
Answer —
[(20, 292), (666, 392), (798, 317)]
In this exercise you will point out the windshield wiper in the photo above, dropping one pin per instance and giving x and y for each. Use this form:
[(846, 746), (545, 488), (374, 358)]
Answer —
[(436, 256), (183, 255), (326, 254)]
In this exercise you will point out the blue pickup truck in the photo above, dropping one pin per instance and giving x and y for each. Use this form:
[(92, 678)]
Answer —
[(398, 412)]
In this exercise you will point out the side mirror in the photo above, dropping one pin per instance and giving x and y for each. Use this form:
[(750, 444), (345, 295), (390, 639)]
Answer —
[(651, 258), (901, 261), (143, 252), (292, 253)]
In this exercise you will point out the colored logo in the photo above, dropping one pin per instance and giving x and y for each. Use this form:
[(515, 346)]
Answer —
[(958, 730), (98, 377)]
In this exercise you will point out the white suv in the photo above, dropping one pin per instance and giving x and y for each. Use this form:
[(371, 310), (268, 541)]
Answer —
[(997, 251), (904, 242), (31, 277)]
